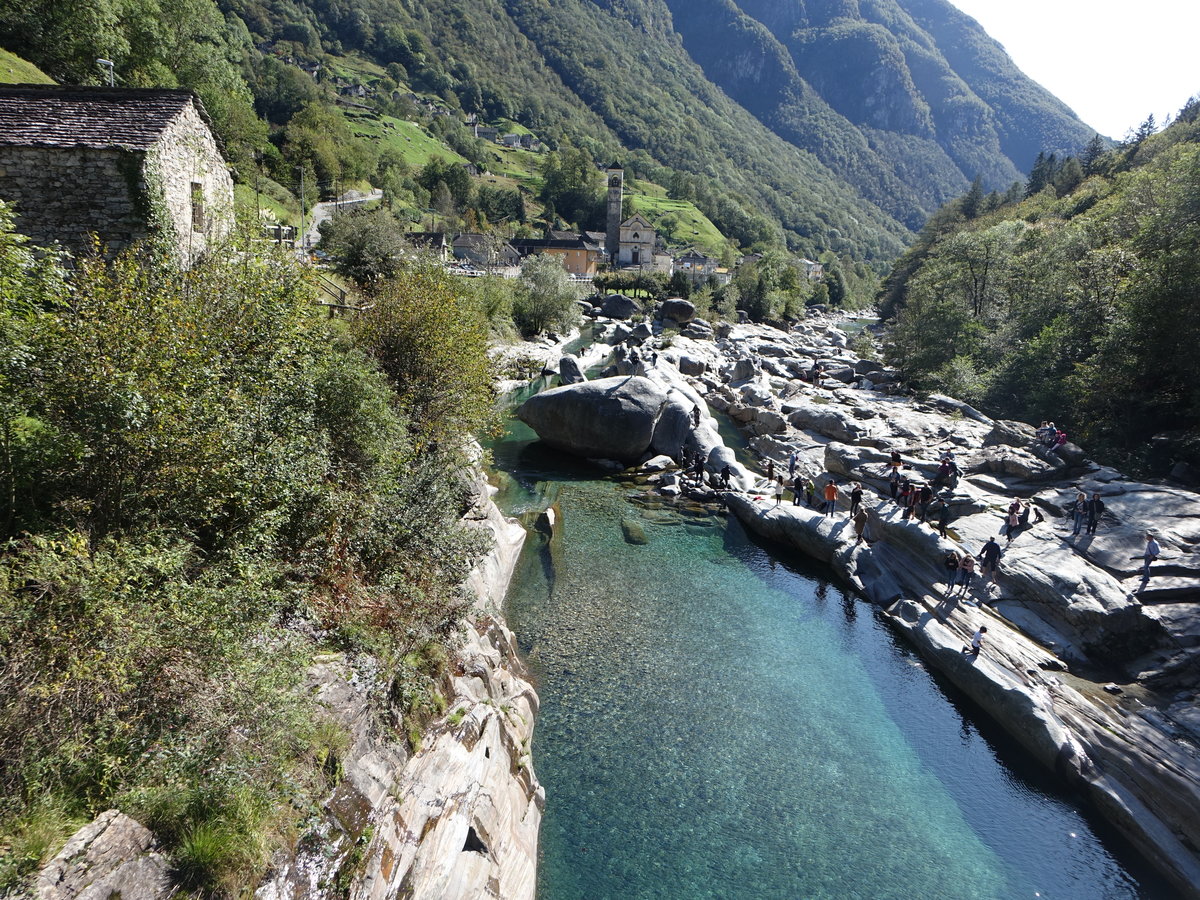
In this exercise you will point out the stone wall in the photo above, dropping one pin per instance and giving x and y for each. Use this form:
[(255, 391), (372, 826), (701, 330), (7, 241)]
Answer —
[(187, 155), (65, 195)]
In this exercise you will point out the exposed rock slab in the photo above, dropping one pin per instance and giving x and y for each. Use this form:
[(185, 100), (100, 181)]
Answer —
[(111, 856)]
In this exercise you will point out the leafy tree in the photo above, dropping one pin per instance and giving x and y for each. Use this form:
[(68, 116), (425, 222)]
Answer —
[(367, 246), (431, 341), (547, 299)]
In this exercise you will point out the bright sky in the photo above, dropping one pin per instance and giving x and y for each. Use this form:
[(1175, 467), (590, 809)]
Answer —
[(1113, 62)]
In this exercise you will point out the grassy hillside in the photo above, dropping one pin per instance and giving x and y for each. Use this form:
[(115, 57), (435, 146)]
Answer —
[(14, 70)]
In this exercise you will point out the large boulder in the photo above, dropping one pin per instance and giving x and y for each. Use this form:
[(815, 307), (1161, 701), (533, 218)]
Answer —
[(609, 418), (743, 369), (569, 371), (682, 311), (698, 330), (1010, 433), (618, 306), (690, 365)]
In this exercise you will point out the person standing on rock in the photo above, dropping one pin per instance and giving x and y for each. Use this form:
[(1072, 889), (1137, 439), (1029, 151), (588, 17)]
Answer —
[(1012, 521), (725, 476), (1079, 510), (856, 493), (944, 517), (797, 489), (989, 557), (966, 573), (770, 470), (894, 484), (860, 524), (695, 416), (924, 498), (778, 489), (792, 465), (951, 563), (831, 496), (976, 641), (1095, 509), (1150, 554), (810, 491)]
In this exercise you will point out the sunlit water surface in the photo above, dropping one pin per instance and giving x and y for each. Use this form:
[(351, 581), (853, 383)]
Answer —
[(718, 722)]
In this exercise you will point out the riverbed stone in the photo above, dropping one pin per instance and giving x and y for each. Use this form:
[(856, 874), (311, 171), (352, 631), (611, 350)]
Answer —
[(112, 856), (569, 371), (608, 418), (682, 311), (618, 306)]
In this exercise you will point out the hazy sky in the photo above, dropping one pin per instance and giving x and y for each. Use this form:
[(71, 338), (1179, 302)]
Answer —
[(1112, 62)]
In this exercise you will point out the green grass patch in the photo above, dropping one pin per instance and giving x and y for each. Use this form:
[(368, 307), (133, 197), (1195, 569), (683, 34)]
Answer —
[(14, 70), (679, 222), (416, 145)]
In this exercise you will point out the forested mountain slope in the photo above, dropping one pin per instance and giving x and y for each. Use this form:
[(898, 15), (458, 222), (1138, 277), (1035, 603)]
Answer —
[(823, 124), (1079, 303), (908, 100)]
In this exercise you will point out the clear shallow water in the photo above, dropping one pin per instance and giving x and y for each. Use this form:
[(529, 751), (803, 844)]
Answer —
[(720, 724)]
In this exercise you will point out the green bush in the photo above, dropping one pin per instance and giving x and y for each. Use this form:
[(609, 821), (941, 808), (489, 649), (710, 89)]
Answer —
[(192, 465)]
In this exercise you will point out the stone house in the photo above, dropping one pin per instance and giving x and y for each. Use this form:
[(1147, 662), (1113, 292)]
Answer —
[(484, 251), (432, 242), (123, 164), (696, 266)]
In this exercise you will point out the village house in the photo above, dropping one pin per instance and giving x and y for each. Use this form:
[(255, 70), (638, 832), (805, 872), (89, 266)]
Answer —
[(814, 271), (484, 251), (696, 266), (486, 133), (122, 164), (580, 256), (432, 242)]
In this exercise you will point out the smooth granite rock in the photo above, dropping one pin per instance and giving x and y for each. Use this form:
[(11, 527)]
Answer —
[(611, 418)]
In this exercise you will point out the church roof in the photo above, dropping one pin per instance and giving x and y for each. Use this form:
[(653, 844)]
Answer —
[(52, 115)]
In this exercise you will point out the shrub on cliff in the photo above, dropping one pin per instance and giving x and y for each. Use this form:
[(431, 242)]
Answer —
[(198, 473)]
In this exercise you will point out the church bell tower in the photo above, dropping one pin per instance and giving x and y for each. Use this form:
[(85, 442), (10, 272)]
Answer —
[(616, 185)]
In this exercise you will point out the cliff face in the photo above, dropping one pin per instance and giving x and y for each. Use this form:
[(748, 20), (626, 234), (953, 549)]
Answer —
[(460, 817)]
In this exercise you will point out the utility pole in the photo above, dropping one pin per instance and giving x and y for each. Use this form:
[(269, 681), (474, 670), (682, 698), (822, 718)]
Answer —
[(303, 232)]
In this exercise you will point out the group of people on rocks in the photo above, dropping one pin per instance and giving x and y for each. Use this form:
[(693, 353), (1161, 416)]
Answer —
[(917, 498), (1050, 436)]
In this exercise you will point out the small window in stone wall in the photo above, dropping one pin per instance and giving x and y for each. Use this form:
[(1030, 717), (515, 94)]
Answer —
[(197, 206)]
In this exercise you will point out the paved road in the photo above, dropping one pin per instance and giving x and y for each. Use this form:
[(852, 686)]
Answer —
[(323, 211)]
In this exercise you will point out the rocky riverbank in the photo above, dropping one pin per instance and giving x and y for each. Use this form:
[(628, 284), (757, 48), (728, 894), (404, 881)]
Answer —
[(457, 818), (1093, 672)]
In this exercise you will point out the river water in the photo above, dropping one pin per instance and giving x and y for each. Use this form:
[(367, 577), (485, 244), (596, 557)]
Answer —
[(720, 721)]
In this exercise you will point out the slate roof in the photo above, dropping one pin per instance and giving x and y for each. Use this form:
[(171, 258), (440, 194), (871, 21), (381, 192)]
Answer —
[(53, 115)]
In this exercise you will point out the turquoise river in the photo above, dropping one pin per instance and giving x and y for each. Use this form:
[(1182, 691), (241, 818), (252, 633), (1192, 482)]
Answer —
[(722, 720)]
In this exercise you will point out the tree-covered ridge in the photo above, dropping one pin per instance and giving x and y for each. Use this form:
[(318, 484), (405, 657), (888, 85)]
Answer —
[(1076, 300), (907, 101)]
